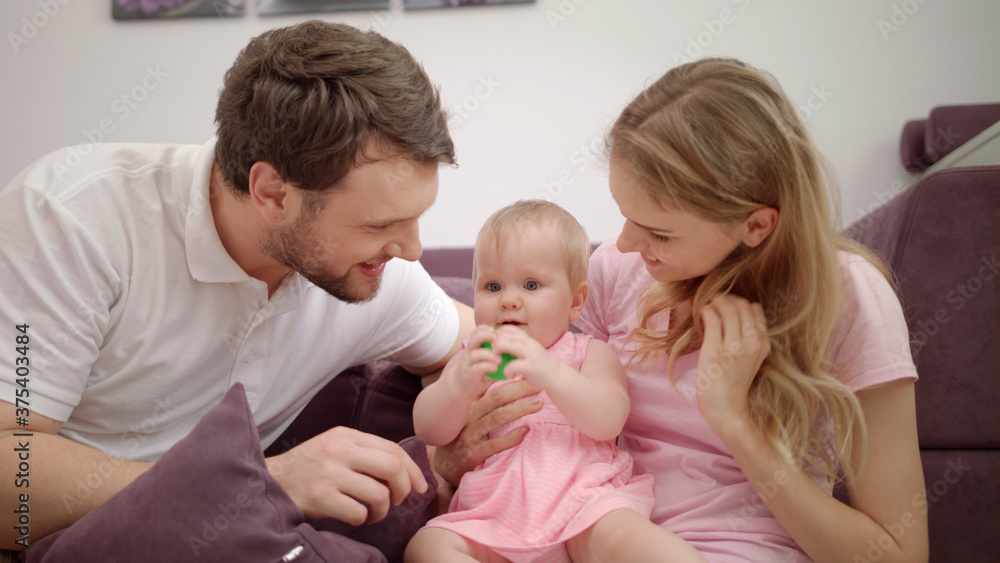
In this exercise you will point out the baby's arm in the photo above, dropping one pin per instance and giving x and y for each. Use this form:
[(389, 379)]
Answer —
[(442, 408), (594, 399)]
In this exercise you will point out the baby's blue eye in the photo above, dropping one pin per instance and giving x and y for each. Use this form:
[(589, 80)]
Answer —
[(493, 286), (531, 285)]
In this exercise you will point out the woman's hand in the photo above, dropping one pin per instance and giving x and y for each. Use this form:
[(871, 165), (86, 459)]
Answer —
[(734, 347), (500, 405)]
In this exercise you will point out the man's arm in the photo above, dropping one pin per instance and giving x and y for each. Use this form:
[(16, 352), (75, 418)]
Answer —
[(48, 482), (352, 476), (466, 323)]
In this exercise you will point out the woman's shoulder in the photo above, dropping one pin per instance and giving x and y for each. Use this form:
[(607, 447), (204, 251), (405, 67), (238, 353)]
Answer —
[(617, 282), (608, 265), (871, 339), (615, 276), (864, 283)]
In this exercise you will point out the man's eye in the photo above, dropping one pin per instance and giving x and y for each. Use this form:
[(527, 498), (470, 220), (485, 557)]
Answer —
[(532, 285), (493, 286)]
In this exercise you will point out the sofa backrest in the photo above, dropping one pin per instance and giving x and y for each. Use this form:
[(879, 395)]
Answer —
[(941, 238)]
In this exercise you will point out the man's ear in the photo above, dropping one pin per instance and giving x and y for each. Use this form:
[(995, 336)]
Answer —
[(759, 225), (269, 192), (579, 299)]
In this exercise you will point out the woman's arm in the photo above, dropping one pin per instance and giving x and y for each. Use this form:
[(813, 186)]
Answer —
[(594, 400), (888, 517), (887, 520)]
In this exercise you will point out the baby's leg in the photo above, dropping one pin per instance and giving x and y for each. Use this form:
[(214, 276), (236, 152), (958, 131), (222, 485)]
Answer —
[(627, 536), (435, 545)]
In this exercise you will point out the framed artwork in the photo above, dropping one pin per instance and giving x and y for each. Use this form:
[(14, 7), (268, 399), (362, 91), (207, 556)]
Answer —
[(145, 9), (273, 7), (422, 4)]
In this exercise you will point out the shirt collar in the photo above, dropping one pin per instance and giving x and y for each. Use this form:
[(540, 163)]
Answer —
[(207, 258)]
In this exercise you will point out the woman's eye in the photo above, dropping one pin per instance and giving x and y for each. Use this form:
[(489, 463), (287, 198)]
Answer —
[(493, 286), (661, 238), (531, 286)]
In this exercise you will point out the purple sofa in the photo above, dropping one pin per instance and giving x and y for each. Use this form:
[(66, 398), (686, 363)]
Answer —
[(941, 239)]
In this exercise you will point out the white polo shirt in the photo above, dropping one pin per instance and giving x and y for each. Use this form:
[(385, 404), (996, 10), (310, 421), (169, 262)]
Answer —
[(139, 320)]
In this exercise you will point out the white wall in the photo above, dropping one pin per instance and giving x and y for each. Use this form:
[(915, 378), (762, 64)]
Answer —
[(537, 83)]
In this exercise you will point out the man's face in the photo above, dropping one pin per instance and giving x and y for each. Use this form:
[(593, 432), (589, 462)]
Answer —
[(371, 218)]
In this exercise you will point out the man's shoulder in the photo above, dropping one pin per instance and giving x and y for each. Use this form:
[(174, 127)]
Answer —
[(113, 198), (73, 171)]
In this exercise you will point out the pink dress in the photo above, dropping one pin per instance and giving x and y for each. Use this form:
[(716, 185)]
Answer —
[(526, 501), (701, 493)]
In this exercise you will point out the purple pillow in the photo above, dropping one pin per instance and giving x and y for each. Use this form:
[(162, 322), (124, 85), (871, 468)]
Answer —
[(208, 499)]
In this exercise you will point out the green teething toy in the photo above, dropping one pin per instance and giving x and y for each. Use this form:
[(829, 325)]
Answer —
[(505, 358)]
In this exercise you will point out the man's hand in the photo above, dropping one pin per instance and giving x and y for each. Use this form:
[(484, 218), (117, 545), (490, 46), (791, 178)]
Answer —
[(500, 405), (347, 475)]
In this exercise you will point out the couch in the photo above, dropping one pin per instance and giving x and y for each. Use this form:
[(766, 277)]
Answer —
[(941, 239)]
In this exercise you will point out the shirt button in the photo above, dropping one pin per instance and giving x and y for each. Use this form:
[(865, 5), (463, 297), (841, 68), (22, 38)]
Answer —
[(248, 359)]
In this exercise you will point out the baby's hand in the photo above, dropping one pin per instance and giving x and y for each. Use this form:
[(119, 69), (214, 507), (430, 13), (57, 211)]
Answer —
[(531, 360), (468, 375)]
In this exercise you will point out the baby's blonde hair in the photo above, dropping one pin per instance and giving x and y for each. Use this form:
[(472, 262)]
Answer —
[(720, 139), (508, 220)]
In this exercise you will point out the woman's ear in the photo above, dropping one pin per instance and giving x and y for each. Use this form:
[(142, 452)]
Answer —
[(579, 299), (759, 225), (268, 191)]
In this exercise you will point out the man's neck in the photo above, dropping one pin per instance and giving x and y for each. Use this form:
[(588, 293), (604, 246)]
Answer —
[(240, 229)]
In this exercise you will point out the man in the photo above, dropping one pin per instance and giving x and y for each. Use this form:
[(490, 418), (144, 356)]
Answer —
[(147, 280)]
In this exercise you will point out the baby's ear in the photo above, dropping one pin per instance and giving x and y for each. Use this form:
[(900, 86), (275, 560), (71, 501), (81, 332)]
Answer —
[(579, 299)]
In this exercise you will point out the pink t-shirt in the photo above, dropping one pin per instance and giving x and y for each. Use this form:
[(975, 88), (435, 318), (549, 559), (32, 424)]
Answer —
[(701, 493)]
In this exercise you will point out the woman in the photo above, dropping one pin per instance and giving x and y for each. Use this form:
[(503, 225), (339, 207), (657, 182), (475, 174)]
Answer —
[(767, 355)]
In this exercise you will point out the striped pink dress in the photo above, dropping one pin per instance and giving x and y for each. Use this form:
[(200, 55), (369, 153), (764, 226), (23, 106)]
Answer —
[(526, 501)]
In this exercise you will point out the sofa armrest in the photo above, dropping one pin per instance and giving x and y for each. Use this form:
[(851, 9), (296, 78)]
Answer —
[(926, 141)]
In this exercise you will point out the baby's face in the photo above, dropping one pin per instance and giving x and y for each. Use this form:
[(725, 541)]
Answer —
[(526, 284)]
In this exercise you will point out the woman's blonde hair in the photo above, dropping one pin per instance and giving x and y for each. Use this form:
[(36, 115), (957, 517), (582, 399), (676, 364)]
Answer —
[(719, 139), (512, 218)]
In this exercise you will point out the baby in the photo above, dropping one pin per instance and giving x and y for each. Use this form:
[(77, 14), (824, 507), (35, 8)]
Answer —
[(525, 503)]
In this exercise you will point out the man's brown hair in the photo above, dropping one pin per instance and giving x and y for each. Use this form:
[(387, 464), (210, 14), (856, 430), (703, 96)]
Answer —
[(310, 98)]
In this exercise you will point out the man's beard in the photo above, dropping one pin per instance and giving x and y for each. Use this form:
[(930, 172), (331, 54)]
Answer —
[(298, 247)]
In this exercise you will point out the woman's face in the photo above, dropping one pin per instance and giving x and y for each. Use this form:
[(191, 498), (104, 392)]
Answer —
[(675, 245)]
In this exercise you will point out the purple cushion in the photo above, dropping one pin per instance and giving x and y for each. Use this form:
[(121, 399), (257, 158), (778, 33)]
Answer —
[(393, 533), (911, 145), (926, 141), (209, 498), (948, 127)]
